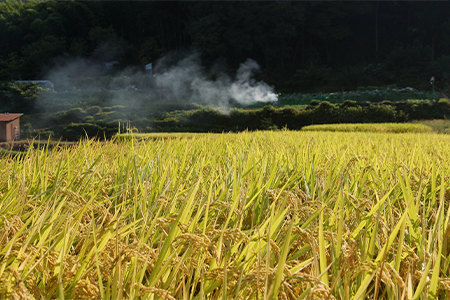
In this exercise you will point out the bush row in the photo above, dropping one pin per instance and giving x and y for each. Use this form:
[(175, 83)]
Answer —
[(295, 118), (103, 122)]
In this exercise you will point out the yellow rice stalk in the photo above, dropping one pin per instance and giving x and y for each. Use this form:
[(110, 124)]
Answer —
[(246, 216)]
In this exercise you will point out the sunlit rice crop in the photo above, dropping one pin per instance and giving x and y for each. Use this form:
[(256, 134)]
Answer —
[(372, 127), (262, 215)]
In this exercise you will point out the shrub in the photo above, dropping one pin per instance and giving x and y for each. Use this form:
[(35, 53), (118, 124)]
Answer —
[(19, 97), (45, 134), (381, 113), (314, 102), (93, 110), (74, 131), (349, 103)]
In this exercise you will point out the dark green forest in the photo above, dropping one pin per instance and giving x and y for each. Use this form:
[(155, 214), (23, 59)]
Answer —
[(326, 62), (300, 45)]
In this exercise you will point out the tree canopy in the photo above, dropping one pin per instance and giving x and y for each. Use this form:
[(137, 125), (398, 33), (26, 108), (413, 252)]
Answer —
[(299, 45)]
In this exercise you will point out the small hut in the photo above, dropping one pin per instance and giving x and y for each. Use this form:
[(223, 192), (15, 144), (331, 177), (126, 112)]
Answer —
[(111, 65), (149, 70), (9, 127)]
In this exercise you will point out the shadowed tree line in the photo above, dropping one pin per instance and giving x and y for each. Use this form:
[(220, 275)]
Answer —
[(294, 118), (301, 46)]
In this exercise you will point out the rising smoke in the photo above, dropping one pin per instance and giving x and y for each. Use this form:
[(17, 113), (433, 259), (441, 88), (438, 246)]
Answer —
[(178, 79), (188, 81), (88, 94)]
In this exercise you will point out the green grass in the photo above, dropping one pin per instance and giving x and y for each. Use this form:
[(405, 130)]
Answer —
[(5, 152), (371, 127), (441, 126)]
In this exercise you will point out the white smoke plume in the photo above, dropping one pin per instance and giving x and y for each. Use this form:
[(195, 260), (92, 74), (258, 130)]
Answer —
[(186, 80), (87, 93), (179, 78)]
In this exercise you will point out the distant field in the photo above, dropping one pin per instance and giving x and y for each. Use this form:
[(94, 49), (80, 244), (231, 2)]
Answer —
[(253, 215), (372, 127), (441, 126), (158, 135)]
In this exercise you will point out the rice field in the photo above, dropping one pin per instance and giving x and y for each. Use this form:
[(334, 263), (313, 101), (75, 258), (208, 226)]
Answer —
[(372, 127), (254, 215)]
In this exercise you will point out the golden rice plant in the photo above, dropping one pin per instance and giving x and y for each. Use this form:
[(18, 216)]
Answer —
[(254, 215), (372, 127)]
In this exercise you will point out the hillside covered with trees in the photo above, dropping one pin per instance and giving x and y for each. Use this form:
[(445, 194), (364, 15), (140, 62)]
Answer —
[(300, 46)]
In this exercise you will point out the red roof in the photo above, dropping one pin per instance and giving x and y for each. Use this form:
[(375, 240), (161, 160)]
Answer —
[(7, 117)]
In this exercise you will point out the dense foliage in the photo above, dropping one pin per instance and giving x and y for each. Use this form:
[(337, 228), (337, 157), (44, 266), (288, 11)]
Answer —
[(104, 121), (18, 97), (295, 117), (301, 46)]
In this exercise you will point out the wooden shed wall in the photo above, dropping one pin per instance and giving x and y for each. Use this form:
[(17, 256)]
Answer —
[(7, 130)]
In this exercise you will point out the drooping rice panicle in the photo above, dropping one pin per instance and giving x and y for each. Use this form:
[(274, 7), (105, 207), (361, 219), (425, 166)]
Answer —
[(287, 215)]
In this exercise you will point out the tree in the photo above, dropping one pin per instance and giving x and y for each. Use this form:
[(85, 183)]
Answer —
[(39, 55)]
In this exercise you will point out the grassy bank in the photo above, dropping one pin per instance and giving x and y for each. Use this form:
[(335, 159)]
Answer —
[(440, 126)]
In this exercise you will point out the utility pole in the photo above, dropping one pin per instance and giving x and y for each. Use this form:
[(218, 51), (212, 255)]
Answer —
[(376, 31), (432, 84)]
